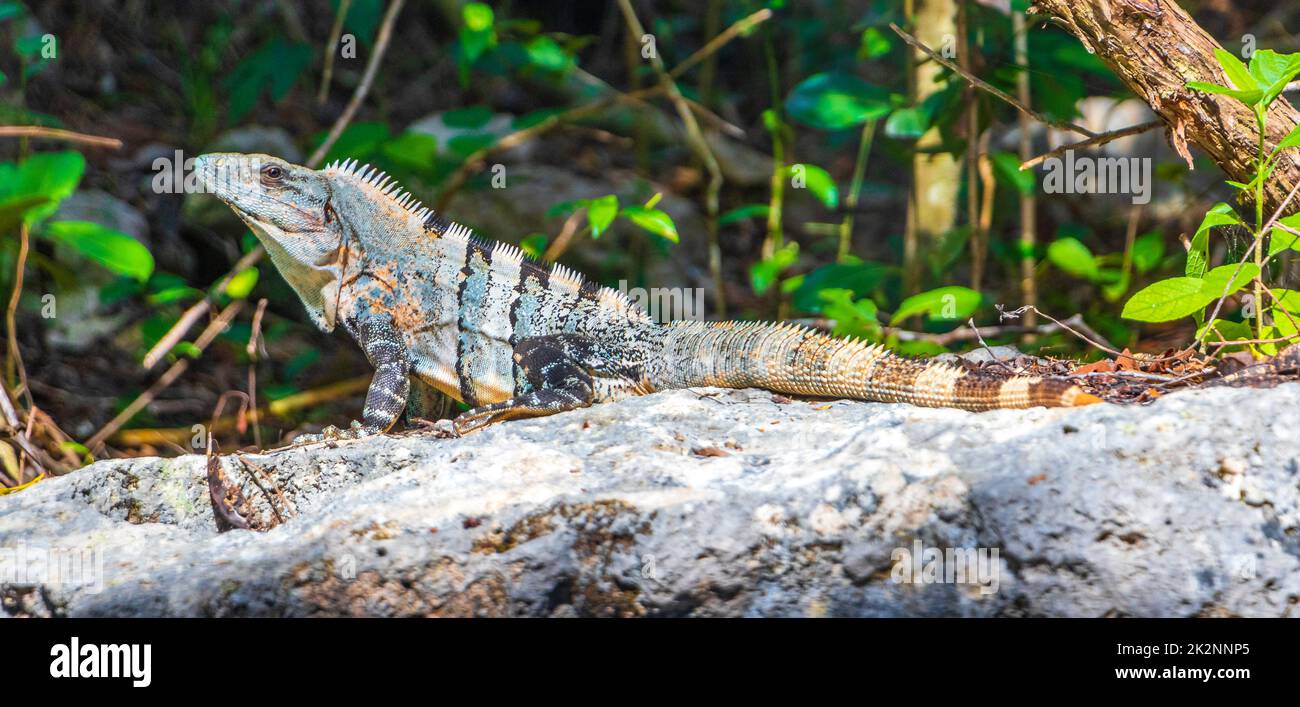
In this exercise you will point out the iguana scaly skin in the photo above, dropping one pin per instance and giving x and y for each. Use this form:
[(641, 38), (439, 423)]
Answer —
[(429, 303)]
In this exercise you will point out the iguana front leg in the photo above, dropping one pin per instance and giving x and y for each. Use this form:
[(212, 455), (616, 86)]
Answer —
[(565, 371), (386, 398)]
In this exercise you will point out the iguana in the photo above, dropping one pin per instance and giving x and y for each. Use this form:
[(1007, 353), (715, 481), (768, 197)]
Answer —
[(433, 304)]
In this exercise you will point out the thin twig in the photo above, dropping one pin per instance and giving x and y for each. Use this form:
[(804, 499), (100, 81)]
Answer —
[(561, 242), (367, 78), (1099, 140), (335, 32), (991, 89), (198, 309), (739, 27), (700, 147), (254, 346), (37, 131), (15, 360), (167, 378)]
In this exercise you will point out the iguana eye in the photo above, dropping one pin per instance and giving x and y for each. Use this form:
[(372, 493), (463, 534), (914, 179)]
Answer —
[(272, 174)]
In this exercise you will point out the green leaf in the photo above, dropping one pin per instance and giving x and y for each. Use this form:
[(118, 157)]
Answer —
[(861, 278), (601, 213), (1148, 249), (1250, 97), (1072, 256), (1006, 167), (478, 17), (51, 176), (834, 101), (274, 68), (741, 213), (1198, 255), (534, 245), (652, 220), (416, 151), (1216, 280), (546, 54), (1236, 71), (1292, 139), (1288, 300), (470, 118), (765, 272), (112, 249), (816, 180), (1273, 71), (15, 209), (1280, 239), (852, 318), (953, 303), (908, 123), (358, 141), (873, 44), (1166, 300), (242, 283)]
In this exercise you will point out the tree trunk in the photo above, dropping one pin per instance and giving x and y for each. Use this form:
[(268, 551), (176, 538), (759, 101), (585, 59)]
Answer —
[(937, 176), (1155, 48)]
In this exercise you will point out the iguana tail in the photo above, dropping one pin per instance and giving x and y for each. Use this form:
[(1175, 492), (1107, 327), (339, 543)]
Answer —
[(791, 359)]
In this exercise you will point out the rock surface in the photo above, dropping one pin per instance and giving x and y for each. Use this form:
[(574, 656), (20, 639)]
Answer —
[(707, 503)]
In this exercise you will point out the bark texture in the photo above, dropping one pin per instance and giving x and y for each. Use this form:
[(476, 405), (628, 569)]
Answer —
[(1155, 47)]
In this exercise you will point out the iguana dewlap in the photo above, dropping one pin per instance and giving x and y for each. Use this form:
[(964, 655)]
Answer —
[(510, 337)]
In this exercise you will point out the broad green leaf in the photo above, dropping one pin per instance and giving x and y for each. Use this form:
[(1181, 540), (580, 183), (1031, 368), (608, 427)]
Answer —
[(1280, 239), (478, 17), (1236, 71), (1292, 139), (765, 272), (741, 213), (546, 54), (242, 283), (861, 278), (873, 44), (953, 303), (51, 175), (358, 141), (652, 220), (816, 180), (1273, 71), (414, 150), (1148, 249), (1225, 330), (1072, 256), (274, 68), (834, 101), (1198, 255), (601, 213), (1249, 97), (15, 209), (1166, 300), (1288, 300), (534, 245), (564, 208), (173, 294), (908, 123), (1216, 280), (470, 118), (112, 249), (852, 318)]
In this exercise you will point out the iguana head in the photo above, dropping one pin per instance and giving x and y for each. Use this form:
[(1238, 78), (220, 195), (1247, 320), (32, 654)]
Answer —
[(288, 207)]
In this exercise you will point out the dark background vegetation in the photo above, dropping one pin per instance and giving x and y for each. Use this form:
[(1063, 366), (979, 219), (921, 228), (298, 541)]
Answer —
[(163, 76)]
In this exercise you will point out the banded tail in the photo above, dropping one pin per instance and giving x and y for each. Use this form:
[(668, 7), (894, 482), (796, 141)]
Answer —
[(787, 358)]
